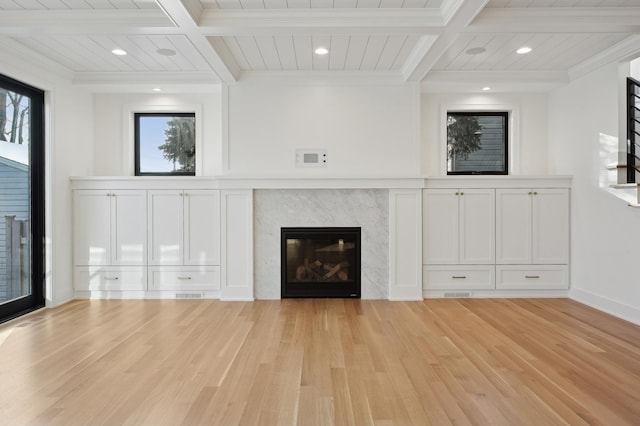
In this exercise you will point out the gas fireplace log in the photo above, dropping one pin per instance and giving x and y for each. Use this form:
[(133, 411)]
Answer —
[(343, 275), (336, 269), (301, 273)]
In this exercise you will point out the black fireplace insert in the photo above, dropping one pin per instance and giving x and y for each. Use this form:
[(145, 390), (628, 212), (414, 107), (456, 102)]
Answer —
[(320, 262)]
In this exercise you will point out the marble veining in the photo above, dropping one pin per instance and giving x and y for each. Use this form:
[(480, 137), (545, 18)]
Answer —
[(366, 208)]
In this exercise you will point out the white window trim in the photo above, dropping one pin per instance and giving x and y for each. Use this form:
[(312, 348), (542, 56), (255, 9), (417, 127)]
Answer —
[(129, 131), (514, 131)]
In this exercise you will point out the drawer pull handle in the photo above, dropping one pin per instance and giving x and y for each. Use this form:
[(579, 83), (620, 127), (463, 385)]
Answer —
[(111, 278), (458, 277), (184, 278), (532, 276)]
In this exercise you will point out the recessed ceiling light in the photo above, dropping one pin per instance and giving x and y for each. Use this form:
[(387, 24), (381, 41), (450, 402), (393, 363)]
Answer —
[(486, 88), (157, 89), (166, 52), (476, 50), (321, 51), (523, 50), (119, 52)]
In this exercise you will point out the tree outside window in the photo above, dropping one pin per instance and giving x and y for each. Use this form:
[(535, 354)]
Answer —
[(477, 143), (165, 144)]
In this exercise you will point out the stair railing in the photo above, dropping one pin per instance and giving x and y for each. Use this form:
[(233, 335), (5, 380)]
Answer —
[(633, 129)]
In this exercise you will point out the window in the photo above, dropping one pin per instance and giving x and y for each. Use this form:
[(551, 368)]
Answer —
[(22, 199), (477, 143), (165, 143)]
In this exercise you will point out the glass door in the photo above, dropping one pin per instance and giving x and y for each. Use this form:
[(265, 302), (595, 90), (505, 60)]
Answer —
[(21, 198)]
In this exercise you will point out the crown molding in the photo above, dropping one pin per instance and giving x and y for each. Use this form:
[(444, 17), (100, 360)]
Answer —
[(499, 81), (628, 48), (351, 78), (175, 81)]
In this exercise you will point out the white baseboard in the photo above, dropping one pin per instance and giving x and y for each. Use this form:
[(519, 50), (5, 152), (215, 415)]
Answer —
[(483, 294), (123, 295), (617, 309)]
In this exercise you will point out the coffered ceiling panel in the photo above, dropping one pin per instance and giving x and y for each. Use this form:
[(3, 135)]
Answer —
[(195, 41), (550, 52), (93, 53), (278, 53)]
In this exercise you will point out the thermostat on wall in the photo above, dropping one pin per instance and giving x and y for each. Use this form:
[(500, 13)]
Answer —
[(311, 158)]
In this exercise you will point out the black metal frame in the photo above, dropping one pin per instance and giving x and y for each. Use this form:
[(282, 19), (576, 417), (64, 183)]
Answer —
[(36, 299), (505, 143), (320, 289), (136, 125), (632, 131)]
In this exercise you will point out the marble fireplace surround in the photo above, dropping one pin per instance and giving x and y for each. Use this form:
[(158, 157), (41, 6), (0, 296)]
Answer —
[(387, 209), (364, 208)]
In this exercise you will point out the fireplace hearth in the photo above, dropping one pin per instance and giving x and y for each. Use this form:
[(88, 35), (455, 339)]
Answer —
[(320, 262)]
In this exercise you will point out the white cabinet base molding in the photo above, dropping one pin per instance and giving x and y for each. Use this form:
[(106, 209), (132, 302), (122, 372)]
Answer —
[(496, 237)]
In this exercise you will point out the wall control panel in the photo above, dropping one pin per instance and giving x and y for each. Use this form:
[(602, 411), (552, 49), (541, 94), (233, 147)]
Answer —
[(311, 158)]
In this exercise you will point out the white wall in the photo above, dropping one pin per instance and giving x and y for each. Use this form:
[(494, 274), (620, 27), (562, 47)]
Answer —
[(114, 137), (605, 249), (530, 133), (367, 130), (71, 151)]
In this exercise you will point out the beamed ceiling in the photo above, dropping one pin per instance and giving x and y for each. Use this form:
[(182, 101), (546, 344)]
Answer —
[(444, 44)]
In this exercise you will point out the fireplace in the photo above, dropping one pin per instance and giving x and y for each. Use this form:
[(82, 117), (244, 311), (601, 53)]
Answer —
[(320, 262)]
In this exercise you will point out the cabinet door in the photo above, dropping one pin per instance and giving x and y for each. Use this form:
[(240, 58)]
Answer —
[(165, 227), (92, 227), (440, 226), (477, 226), (551, 226), (129, 236), (202, 227), (513, 226)]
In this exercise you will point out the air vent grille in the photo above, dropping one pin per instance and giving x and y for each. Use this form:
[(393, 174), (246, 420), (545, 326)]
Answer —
[(189, 295), (457, 294)]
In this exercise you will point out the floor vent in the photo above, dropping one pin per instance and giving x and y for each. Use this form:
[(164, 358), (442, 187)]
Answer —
[(189, 295), (457, 294)]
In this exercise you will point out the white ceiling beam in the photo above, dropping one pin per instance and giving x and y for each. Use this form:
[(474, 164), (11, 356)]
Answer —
[(228, 22), (70, 22), (185, 14), (557, 20), (426, 55)]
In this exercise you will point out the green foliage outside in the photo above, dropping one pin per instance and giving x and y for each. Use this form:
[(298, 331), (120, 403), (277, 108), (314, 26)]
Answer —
[(463, 135), (180, 144)]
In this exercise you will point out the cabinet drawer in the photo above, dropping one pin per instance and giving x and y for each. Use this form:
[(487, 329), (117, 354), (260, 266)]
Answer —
[(206, 278), (95, 278), (532, 277), (459, 277)]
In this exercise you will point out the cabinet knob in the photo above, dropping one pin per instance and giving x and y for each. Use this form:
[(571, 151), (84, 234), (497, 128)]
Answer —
[(535, 193), (462, 193)]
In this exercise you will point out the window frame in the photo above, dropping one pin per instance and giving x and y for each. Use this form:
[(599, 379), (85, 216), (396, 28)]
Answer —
[(505, 142), (128, 139), (513, 132)]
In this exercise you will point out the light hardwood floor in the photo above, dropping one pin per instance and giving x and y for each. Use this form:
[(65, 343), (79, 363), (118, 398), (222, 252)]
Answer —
[(320, 362)]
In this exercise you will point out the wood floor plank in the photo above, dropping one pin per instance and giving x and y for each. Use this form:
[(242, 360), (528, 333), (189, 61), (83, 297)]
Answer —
[(320, 362)]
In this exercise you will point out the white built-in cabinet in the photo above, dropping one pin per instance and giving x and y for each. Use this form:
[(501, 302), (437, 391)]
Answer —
[(145, 240), (496, 234), (459, 229), (110, 240), (184, 239), (532, 238)]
